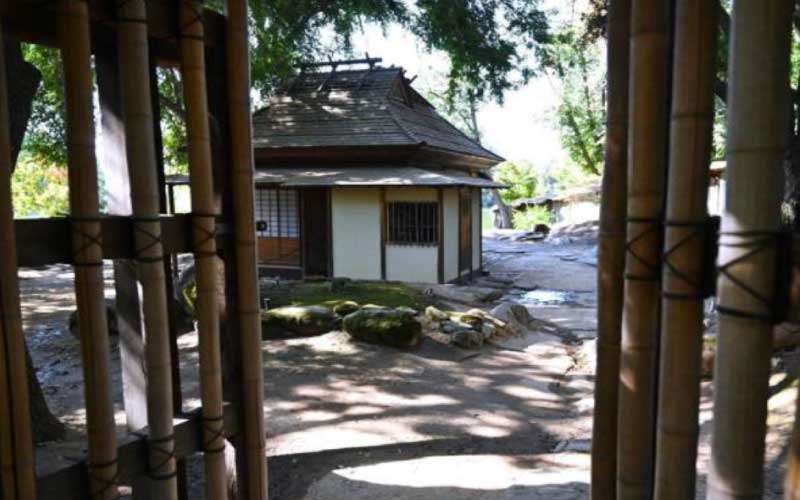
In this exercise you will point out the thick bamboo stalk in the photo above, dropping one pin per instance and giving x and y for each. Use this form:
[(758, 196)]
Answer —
[(759, 107), (611, 255), (684, 248), (647, 158), (205, 248), (141, 153), (86, 247), (252, 390), (16, 439)]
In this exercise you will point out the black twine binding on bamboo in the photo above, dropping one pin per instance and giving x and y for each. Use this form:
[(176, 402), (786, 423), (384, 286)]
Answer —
[(89, 240), (166, 447), (654, 226), (205, 235), (139, 226), (215, 426), (197, 17), (757, 242), (703, 287), (105, 484)]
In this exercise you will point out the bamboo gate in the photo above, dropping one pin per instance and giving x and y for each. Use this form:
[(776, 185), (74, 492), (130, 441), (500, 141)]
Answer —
[(125, 41), (653, 278)]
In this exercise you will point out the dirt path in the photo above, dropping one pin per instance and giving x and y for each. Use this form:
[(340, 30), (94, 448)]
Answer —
[(354, 421)]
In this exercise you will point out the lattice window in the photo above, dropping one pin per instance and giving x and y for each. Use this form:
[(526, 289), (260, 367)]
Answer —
[(277, 213), (412, 223)]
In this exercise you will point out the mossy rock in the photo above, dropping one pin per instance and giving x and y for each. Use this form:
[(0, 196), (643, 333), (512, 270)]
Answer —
[(300, 320), (384, 326), (474, 321), (436, 314), (343, 307)]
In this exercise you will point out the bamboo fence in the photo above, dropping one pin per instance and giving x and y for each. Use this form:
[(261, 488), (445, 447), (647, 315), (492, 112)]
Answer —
[(141, 153), (16, 439), (252, 395), (86, 247), (611, 255), (687, 230), (647, 157), (205, 248), (750, 244)]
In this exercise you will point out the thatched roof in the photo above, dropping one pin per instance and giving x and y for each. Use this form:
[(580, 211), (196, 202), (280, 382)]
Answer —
[(361, 108)]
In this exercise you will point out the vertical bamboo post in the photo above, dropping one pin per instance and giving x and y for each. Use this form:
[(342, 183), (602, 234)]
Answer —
[(750, 242), (684, 265), (141, 153), (241, 146), (611, 255), (86, 247), (647, 158), (205, 247), (16, 439)]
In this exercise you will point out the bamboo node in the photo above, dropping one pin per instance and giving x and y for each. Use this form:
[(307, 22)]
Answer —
[(152, 243), (215, 426), (96, 477), (756, 242), (654, 226), (203, 235), (164, 446), (705, 229), (89, 235)]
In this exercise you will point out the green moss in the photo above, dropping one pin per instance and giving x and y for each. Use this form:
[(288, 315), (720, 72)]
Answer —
[(384, 326), (386, 294), (305, 320)]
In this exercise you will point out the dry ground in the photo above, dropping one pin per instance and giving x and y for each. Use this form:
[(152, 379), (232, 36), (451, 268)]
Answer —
[(353, 421)]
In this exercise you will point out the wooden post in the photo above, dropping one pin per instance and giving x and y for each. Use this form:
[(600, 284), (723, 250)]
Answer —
[(86, 247), (647, 163), (205, 248), (750, 243), (611, 255), (141, 154), (254, 485), (684, 266), (16, 440)]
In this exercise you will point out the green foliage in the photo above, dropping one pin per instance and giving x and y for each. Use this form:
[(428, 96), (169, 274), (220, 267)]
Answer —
[(46, 137), (528, 218), (520, 177), (576, 61), (39, 188)]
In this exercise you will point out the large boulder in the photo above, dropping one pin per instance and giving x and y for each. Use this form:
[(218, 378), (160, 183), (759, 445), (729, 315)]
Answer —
[(465, 294), (384, 326), (468, 339), (299, 320)]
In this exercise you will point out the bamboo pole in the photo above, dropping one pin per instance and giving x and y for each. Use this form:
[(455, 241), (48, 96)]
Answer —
[(647, 158), (205, 248), (684, 266), (16, 439), (611, 255), (252, 395), (759, 107), (86, 247), (141, 153)]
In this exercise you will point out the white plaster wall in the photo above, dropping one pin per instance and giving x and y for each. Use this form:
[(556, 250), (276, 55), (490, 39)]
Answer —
[(412, 263), (356, 220), (476, 229), (450, 234)]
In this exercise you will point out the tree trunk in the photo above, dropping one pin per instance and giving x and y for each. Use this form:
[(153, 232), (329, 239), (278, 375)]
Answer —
[(21, 91), (503, 219)]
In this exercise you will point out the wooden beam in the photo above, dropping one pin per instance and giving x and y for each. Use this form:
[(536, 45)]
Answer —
[(35, 22), (70, 483), (117, 238)]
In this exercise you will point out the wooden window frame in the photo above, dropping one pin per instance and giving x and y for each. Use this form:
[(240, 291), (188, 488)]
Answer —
[(412, 223)]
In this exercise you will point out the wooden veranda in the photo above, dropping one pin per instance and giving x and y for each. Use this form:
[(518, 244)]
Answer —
[(124, 42)]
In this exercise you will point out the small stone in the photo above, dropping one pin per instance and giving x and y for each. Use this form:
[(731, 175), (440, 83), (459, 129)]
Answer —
[(434, 314), (468, 339), (345, 307), (407, 310)]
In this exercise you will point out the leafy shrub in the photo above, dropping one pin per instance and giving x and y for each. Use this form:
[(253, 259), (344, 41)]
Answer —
[(520, 177), (528, 218)]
